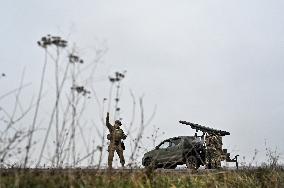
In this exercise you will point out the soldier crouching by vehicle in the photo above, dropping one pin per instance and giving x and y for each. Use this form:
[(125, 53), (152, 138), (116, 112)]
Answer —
[(115, 137)]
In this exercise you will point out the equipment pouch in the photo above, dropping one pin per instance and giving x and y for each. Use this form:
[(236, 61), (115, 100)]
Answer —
[(109, 137), (122, 145)]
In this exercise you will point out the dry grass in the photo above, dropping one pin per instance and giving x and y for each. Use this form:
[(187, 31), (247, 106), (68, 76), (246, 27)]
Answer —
[(262, 177)]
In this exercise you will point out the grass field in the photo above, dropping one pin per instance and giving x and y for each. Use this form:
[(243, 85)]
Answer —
[(262, 177)]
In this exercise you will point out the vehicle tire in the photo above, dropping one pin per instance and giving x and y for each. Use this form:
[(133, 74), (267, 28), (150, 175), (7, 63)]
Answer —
[(149, 163), (170, 166), (191, 162)]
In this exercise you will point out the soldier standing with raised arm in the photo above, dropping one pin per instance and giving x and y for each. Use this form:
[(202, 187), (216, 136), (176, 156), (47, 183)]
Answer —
[(115, 137)]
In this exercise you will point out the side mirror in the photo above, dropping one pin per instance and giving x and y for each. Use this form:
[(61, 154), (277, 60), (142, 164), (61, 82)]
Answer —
[(156, 147)]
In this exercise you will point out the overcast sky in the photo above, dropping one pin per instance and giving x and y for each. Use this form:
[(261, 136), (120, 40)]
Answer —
[(217, 63)]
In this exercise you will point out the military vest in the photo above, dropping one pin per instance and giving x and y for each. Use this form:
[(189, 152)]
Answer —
[(117, 134)]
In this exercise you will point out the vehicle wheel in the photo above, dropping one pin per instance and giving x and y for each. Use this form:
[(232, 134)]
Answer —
[(148, 163), (170, 166), (191, 162)]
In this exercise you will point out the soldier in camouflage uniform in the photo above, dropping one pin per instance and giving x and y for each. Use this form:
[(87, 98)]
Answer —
[(115, 137), (214, 150)]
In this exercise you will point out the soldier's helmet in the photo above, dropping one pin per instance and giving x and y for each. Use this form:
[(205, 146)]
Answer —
[(117, 122)]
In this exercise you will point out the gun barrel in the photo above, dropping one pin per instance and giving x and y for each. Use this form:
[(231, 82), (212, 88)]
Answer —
[(205, 129)]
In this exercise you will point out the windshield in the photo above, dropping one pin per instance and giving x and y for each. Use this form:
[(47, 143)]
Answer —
[(198, 140), (164, 145), (176, 141)]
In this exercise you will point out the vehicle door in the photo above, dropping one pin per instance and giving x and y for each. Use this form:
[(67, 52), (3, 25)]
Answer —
[(174, 152), (161, 154)]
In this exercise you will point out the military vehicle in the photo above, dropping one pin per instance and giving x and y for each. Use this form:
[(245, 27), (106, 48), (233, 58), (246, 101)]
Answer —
[(190, 150), (175, 151)]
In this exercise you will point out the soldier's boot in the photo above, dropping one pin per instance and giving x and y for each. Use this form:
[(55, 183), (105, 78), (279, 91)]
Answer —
[(122, 163)]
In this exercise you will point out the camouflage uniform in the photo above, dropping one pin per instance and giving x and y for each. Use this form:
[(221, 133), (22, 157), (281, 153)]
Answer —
[(115, 136), (214, 150)]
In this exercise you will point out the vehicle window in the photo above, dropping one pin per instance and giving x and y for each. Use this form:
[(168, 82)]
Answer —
[(199, 140), (165, 145), (176, 142), (173, 144)]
